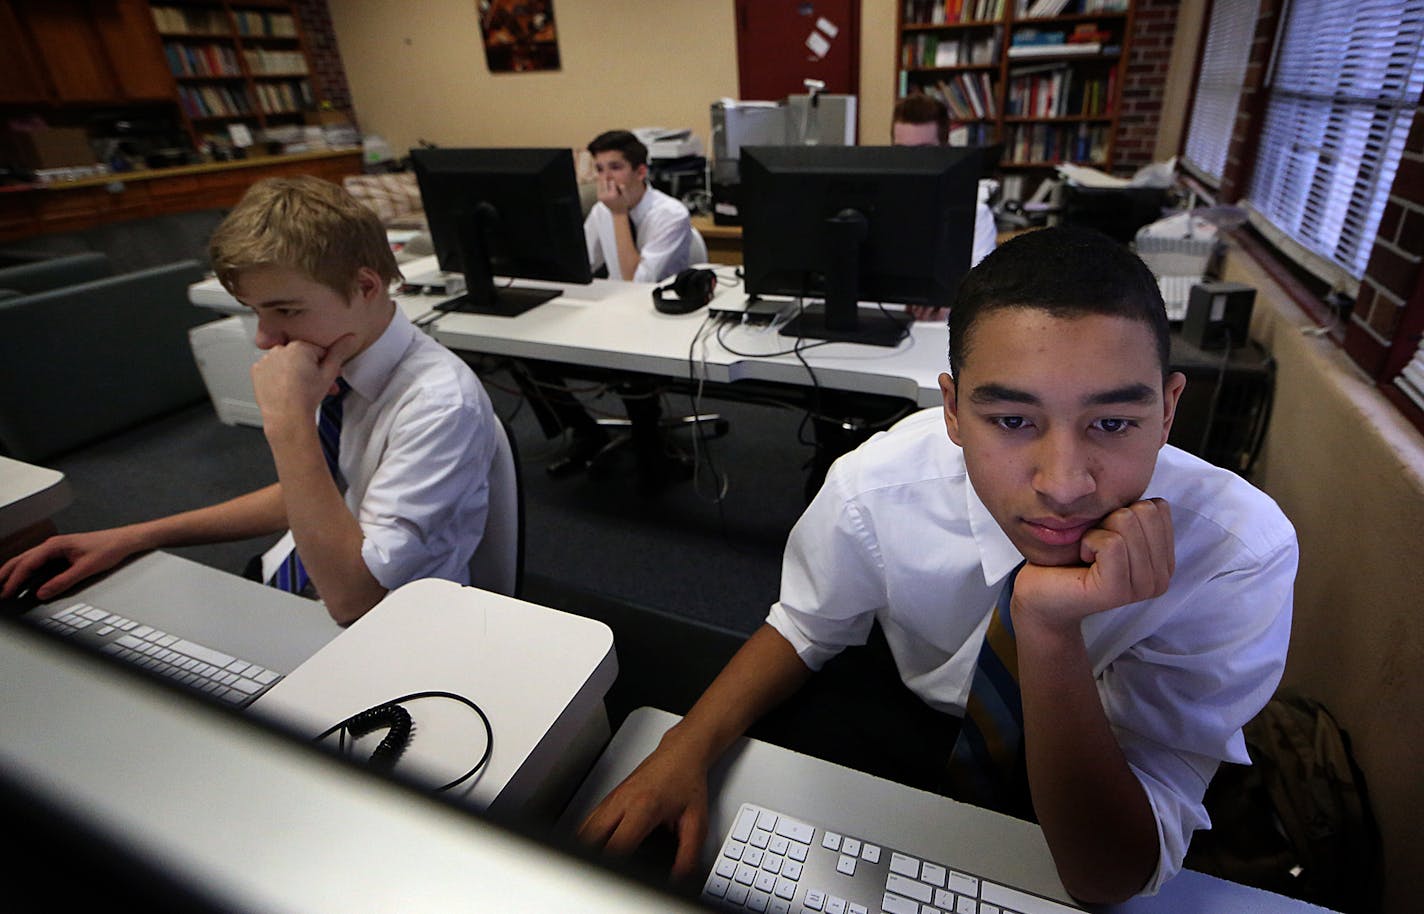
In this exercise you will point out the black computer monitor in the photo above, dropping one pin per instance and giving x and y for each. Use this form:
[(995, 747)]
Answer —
[(852, 224), (503, 212)]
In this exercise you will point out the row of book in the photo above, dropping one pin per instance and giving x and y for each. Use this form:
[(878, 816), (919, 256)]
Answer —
[(1042, 143), (1036, 9), (276, 25), (1055, 90), (214, 101), (189, 20), (264, 61), (930, 50), (201, 59), (968, 96), (279, 98), (938, 12)]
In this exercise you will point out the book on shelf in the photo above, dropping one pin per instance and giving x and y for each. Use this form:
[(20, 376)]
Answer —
[(1076, 49), (948, 12)]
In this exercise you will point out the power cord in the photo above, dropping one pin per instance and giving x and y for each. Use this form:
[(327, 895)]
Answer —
[(391, 714)]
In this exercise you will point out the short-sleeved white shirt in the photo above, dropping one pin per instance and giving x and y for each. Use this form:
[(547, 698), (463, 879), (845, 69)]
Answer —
[(898, 534)]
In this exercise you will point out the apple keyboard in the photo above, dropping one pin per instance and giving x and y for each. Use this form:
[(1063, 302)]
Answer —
[(771, 862)]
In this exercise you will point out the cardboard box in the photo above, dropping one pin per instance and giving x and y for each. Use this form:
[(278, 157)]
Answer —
[(48, 147), (323, 118)]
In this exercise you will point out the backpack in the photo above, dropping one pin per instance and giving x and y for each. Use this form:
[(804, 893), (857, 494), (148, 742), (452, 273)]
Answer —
[(1297, 821)]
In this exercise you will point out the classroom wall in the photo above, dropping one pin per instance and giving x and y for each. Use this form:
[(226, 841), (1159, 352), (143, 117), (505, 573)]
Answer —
[(629, 63), (1348, 471), (418, 71)]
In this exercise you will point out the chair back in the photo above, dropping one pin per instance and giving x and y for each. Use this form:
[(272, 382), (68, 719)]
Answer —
[(697, 249), (498, 562)]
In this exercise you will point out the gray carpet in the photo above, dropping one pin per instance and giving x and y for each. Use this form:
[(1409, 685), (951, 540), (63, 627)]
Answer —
[(678, 551)]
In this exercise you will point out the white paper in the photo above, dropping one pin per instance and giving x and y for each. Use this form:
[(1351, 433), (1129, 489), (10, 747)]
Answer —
[(818, 44), (828, 27), (241, 136)]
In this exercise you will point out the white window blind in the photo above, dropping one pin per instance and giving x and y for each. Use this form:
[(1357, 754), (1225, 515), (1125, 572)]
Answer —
[(1411, 379), (1223, 69), (1345, 82)]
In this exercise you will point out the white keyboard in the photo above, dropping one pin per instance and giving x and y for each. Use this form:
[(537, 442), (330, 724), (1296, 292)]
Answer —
[(220, 675), (775, 863)]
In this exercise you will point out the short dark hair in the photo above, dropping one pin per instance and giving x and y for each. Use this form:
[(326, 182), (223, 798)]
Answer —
[(1067, 271), (620, 141), (922, 109)]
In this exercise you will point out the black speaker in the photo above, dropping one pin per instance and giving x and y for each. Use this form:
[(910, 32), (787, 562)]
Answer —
[(691, 289), (1218, 315)]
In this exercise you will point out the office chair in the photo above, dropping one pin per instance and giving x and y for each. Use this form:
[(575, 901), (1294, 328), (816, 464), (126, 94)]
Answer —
[(498, 562)]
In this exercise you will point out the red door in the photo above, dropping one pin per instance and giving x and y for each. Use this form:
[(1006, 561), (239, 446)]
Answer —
[(780, 43)]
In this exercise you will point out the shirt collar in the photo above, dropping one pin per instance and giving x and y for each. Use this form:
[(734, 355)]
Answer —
[(997, 553), (369, 371)]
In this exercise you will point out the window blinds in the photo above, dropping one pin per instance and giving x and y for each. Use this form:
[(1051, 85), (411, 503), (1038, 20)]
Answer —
[(1223, 69), (1346, 80), (1411, 379)]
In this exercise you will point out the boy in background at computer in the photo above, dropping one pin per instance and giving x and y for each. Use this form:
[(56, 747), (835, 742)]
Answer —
[(923, 120), (638, 233), (1148, 593), (346, 376)]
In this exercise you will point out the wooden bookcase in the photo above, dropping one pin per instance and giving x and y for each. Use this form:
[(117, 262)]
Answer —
[(1011, 75), (235, 62)]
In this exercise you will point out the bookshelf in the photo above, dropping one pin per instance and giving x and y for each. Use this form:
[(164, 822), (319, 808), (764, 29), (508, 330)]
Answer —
[(235, 62), (1042, 77)]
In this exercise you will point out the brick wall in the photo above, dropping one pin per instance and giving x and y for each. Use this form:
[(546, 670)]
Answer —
[(330, 76), (1154, 24), (1392, 278)]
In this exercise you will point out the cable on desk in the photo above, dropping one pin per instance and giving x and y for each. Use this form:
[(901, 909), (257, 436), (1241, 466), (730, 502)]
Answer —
[(720, 483), (392, 715)]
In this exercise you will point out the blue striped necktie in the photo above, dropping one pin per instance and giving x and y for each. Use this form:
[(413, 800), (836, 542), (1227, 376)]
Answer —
[(291, 576), (986, 766)]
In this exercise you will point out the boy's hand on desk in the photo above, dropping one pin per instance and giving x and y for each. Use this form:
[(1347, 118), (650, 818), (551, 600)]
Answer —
[(88, 554), (1130, 556), (291, 379), (664, 790)]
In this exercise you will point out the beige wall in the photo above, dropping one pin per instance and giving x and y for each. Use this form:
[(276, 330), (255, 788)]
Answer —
[(625, 63), (417, 71), (1349, 473)]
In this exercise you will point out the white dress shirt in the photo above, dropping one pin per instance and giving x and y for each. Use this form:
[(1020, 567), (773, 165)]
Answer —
[(417, 439), (663, 233), (898, 534), (986, 233)]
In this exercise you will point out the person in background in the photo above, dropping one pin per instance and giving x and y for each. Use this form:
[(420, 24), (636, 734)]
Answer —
[(923, 120)]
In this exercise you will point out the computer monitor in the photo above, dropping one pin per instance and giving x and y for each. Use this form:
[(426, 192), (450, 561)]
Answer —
[(857, 224), (503, 212)]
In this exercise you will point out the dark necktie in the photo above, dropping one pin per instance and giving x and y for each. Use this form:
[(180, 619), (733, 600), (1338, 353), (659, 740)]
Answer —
[(986, 766), (291, 576)]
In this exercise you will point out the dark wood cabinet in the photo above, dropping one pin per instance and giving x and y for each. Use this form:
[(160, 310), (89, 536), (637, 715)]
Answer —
[(82, 52)]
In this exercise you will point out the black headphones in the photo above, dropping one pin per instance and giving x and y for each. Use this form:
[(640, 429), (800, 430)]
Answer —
[(692, 288)]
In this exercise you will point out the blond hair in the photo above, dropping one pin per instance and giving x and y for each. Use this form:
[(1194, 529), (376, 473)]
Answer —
[(304, 224)]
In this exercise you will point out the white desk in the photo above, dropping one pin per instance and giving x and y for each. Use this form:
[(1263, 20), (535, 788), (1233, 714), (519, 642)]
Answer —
[(540, 676), (29, 494), (613, 325), (996, 846)]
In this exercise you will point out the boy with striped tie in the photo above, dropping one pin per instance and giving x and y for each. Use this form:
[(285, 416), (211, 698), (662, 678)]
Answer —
[(382, 439)]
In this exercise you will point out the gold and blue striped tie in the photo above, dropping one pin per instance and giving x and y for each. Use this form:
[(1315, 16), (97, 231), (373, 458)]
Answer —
[(291, 576), (986, 766)]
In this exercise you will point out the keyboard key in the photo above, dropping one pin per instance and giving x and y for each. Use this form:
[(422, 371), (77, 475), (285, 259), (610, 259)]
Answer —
[(785, 888), (773, 863), (757, 901), (778, 845), (870, 853), (851, 846), (766, 820), (1013, 899), (779, 906), (725, 868), (905, 865), (932, 873), (964, 884), (895, 904), (765, 882), (835, 905), (760, 837), (798, 851), (753, 856), (717, 886), (965, 905), (737, 894), (846, 865), (815, 900), (745, 874), (796, 831), (910, 888), (831, 841), (857, 909), (205, 654), (734, 850), (791, 869)]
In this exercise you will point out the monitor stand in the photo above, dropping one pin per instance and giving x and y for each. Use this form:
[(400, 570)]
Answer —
[(872, 328), (841, 319), (510, 301)]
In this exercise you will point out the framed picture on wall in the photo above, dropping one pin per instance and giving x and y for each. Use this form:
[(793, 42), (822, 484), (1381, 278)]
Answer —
[(519, 35)]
